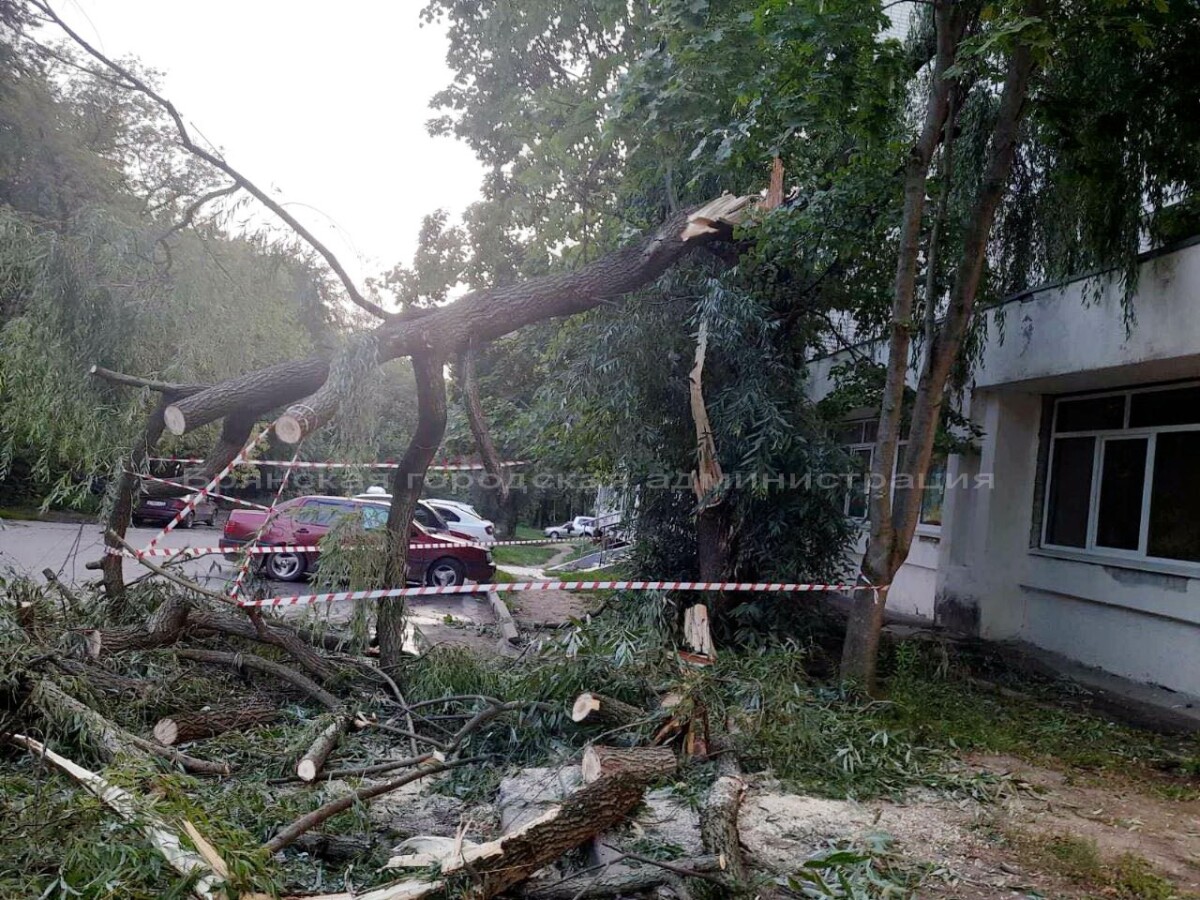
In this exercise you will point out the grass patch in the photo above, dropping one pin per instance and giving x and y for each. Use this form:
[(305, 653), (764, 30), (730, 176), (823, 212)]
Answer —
[(529, 556), (1077, 859)]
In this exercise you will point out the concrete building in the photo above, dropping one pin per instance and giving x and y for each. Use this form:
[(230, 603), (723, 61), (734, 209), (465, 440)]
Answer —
[(1076, 525)]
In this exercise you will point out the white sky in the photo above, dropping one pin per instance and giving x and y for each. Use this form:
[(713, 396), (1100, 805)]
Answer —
[(323, 103)]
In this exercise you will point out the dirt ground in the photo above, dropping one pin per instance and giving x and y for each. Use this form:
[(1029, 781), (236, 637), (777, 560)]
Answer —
[(971, 849)]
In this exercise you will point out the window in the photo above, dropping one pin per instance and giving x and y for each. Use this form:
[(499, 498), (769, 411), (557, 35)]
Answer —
[(374, 516), (319, 512), (1122, 478), (859, 440)]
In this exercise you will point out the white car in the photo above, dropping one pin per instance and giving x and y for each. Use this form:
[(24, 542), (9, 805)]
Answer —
[(580, 525), (462, 518), (424, 515)]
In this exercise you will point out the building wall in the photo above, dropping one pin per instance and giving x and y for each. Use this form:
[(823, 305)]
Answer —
[(983, 572)]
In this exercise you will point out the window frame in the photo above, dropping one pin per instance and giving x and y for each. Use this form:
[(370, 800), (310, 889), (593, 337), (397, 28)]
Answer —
[(1102, 436), (855, 448)]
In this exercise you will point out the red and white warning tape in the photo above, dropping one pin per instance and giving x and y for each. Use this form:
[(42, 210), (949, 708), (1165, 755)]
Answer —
[(244, 568), (305, 464), (184, 487), (312, 548), (744, 587), (190, 506)]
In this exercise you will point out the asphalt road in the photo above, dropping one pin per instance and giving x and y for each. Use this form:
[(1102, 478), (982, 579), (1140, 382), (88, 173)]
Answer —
[(30, 547)]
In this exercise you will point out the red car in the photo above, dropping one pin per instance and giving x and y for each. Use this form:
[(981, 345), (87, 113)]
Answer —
[(305, 520)]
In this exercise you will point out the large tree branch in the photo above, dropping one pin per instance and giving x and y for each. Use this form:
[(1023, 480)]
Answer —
[(132, 82), (478, 422)]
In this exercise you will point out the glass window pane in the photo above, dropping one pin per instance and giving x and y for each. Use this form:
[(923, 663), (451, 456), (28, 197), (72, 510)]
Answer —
[(1091, 414), (856, 503), (1173, 407), (1070, 491), (934, 494), (850, 433), (1122, 478), (870, 430), (1175, 497)]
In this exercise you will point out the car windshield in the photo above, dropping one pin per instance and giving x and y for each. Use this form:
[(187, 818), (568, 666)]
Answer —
[(374, 517)]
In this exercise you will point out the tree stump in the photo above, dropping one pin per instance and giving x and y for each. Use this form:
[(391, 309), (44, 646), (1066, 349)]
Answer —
[(644, 763), (313, 760)]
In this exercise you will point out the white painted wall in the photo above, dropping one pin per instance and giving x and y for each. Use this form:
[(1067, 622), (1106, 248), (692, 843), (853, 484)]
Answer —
[(984, 572)]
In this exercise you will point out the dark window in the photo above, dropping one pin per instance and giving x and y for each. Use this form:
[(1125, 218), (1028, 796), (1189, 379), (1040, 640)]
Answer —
[(446, 514), (1070, 491), (1177, 407), (374, 517), (856, 502), (1094, 414), (934, 494), (1122, 477), (1175, 497)]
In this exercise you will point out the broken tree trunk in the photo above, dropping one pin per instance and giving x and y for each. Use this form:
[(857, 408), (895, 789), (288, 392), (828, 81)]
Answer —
[(597, 709), (206, 884), (504, 619), (478, 422), (496, 866), (331, 730), (645, 763), (181, 727)]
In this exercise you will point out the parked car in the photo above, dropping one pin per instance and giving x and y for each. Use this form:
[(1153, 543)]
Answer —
[(161, 510), (424, 515), (461, 520), (580, 525), (305, 520)]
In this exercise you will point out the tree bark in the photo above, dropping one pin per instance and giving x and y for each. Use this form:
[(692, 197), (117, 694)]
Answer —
[(625, 883), (182, 727), (235, 432), (407, 483), (645, 763), (719, 825), (164, 627), (860, 651), (479, 426)]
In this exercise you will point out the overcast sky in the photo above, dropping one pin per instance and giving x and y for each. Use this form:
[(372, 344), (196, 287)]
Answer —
[(324, 103)]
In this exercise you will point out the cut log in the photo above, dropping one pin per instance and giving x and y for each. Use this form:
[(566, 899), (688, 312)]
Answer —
[(719, 824), (310, 764), (163, 628), (181, 727), (645, 763), (697, 637), (504, 619), (206, 884), (626, 882), (337, 848), (597, 709)]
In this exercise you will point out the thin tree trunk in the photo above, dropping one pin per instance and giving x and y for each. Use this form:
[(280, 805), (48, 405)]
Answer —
[(866, 618), (891, 538), (479, 426), (407, 484)]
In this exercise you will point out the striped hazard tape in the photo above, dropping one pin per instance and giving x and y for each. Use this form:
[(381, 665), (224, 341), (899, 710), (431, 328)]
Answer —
[(313, 548), (190, 505), (772, 587)]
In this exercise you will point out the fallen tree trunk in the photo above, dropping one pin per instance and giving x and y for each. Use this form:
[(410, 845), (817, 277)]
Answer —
[(496, 866), (596, 709), (164, 627), (504, 619), (719, 824), (181, 727), (311, 763), (206, 884), (645, 763)]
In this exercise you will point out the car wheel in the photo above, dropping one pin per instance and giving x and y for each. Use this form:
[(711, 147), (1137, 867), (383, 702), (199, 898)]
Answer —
[(188, 521), (557, 535), (285, 566), (445, 572), (211, 521)]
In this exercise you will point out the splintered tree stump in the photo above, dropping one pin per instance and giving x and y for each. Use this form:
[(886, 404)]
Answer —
[(313, 760), (164, 627), (600, 710), (181, 727), (644, 763)]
